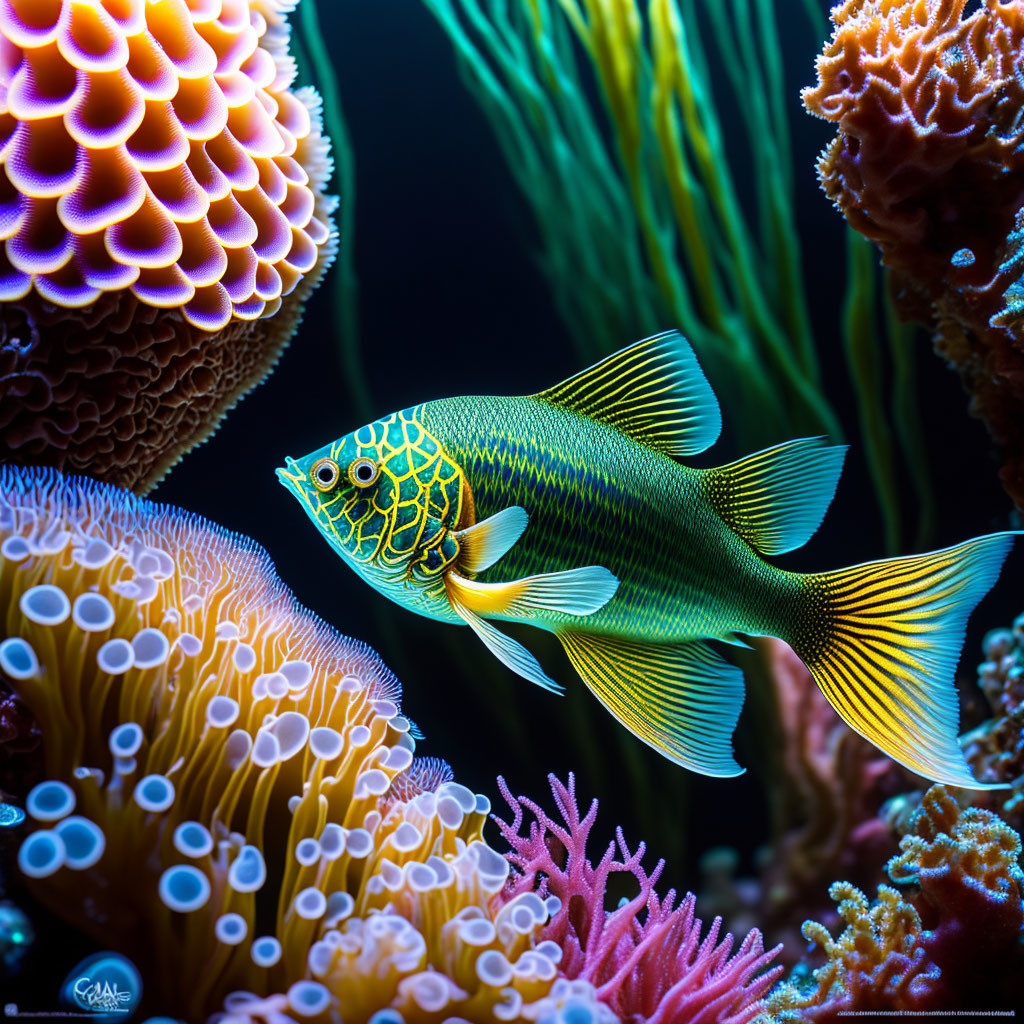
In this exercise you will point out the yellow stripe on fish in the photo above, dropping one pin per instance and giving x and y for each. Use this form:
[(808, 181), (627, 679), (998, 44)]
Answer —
[(570, 510)]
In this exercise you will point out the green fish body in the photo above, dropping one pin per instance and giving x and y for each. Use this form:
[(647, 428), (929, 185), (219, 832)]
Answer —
[(571, 510), (683, 574)]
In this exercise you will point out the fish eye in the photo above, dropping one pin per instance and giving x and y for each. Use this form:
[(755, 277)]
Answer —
[(363, 472), (324, 474)]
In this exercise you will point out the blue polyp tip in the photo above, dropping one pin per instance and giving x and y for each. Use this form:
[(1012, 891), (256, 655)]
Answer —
[(192, 839), (154, 793), (184, 888), (155, 790), (308, 995), (41, 854), (50, 800), (575, 1012), (83, 841), (962, 258), (248, 872), (10, 816), (266, 951)]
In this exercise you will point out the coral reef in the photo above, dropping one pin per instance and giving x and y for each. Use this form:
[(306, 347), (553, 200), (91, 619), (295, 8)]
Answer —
[(824, 786), (163, 220), (995, 749), (928, 164), (952, 941), (223, 795), (645, 959)]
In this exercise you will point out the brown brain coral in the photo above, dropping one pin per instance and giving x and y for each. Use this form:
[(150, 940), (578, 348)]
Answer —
[(162, 216), (928, 163)]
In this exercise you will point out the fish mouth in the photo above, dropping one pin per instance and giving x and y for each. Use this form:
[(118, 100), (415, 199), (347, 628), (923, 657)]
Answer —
[(290, 475), (293, 480)]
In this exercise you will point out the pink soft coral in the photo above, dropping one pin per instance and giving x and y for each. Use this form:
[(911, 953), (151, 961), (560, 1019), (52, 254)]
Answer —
[(657, 970)]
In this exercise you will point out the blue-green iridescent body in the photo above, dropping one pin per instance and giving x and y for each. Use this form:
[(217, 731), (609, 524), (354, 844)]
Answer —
[(570, 510), (595, 495)]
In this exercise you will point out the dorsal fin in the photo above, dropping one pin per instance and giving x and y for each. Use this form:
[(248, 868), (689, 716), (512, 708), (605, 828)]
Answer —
[(775, 499), (654, 391)]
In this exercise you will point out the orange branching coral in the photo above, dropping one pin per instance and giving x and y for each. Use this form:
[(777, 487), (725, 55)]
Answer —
[(952, 941), (875, 963), (231, 795), (928, 163), (162, 216)]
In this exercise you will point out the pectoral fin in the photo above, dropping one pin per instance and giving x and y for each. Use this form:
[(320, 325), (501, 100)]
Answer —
[(682, 699), (580, 591), (483, 543), (504, 648)]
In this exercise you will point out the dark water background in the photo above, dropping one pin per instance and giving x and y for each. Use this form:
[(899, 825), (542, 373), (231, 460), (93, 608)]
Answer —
[(452, 302)]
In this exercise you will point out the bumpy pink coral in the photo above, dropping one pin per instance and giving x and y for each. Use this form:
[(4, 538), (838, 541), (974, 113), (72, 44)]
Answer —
[(651, 967)]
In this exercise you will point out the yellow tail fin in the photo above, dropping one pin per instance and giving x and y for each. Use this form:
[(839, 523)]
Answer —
[(883, 642)]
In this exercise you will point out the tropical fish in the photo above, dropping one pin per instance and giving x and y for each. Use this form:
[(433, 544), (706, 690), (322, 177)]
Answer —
[(569, 510)]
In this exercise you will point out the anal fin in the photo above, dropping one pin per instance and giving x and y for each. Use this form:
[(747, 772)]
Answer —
[(682, 699)]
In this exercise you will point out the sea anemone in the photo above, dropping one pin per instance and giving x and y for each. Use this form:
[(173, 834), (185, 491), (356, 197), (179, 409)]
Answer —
[(928, 163), (230, 791), (163, 220)]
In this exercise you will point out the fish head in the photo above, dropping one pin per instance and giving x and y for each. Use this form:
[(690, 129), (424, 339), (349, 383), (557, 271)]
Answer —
[(388, 499)]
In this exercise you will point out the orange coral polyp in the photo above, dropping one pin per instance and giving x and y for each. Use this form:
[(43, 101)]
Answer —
[(138, 118), (89, 39), (29, 22)]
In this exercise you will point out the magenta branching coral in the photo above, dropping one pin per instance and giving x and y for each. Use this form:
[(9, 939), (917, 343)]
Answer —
[(951, 940), (651, 967)]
